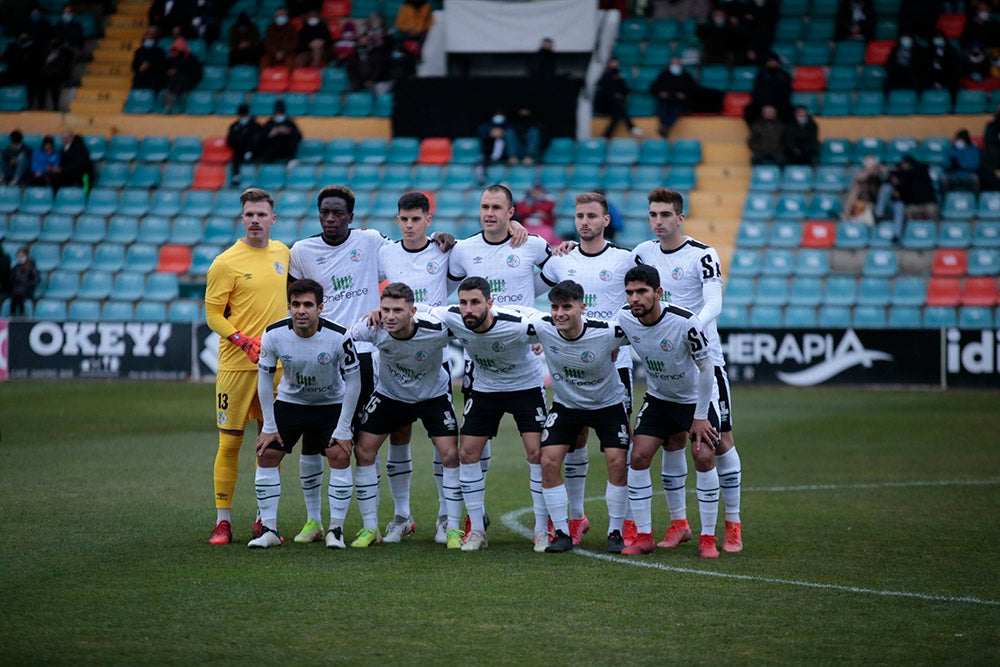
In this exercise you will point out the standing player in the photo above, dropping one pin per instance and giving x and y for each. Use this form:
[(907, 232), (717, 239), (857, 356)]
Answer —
[(508, 380), (599, 266), (509, 270), (413, 384), (245, 292), (695, 282), (316, 398), (674, 349), (587, 393)]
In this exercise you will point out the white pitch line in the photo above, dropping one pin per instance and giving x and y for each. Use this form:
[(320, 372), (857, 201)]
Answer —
[(512, 521)]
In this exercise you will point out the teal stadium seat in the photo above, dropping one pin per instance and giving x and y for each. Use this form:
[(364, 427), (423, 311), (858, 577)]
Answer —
[(837, 104), (161, 287), (13, 99), (850, 53), (150, 311), (733, 317), (664, 29), (185, 149), (798, 178), (396, 177), (591, 151), (919, 235), (739, 291), (123, 229), (140, 101), (954, 234), (969, 101), (10, 198), (24, 228), (617, 177), (682, 178), (465, 151), (242, 78), (185, 231), (901, 103), (984, 262), (958, 205), (868, 103), (561, 150), (340, 151), (758, 206), (145, 176), (310, 151), (842, 78), (176, 177), (834, 317), (49, 308), (686, 151), (302, 177), (812, 262), (785, 234), (154, 229), (933, 150), (763, 316), (873, 291), (746, 262), (645, 177), (69, 201), (213, 79), (117, 311), (202, 257), (910, 291), (800, 317), (805, 291), (109, 257), (36, 200), (112, 175), (840, 290), (357, 105), (372, 151), (382, 105), (881, 262), (897, 147), (641, 105), (778, 262), (622, 151), (128, 286), (197, 202), (869, 146), (633, 29), (904, 317), (831, 179), (122, 148), (814, 53), (403, 150), (228, 101), (153, 148), (90, 228), (585, 178), (989, 207), (742, 78), (823, 205), (934, 102), (869, 317), (790, 207), (96, 285), (325, 104), (937, 317), (184, 310), (654, 152), (772, 291), (715, 76), (46, 256), (365, 177), (141, 258), (62, 285), (97, 145)]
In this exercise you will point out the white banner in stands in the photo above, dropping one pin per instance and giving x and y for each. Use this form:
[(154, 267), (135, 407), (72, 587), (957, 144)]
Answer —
[(487, 26)]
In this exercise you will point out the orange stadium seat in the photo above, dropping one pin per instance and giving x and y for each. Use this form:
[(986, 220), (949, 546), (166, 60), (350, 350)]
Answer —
[(949, 263), (943, 291), (818, 234), (174, 259), (435, 150), (273, 80), (980, 291), (877, 51), (305, 80), (214, 150), (335, 9), (733, 104), (209, 177), (809, 79)]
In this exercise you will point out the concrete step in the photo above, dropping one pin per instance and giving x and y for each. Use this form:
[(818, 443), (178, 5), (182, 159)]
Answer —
[(94, 109), (116, 56), (725, 152), (719, 205), (106, 83)]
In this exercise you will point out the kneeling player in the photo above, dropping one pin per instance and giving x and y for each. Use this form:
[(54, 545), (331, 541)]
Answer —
[(580, 354), (412, 384), (670, 341), (316, 397)]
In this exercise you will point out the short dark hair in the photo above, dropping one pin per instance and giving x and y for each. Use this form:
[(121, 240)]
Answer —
[(341, 191), (643, 273), (256, 194), (398, 291), (667, 196), (476, 283), (592, 197), (412, 200), (16, 137), (306, 286), (566, 291), (504, 190)]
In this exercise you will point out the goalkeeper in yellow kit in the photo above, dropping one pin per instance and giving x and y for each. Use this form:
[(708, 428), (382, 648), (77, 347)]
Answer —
[(245, 293)]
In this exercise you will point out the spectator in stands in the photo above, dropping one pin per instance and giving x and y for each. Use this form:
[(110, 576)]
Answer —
[(38, 26), (976, 66), (542, 64), (76, 169), (24, 278), (346, 42), (494, 142), (205, 21), (281, 41), (526, 137), (366, 65), (757, 25), (538, 208), (855, 17), (961, 164), (611, 98), (862, 196), (906, 65), (942, 67), (245, 46), (70, 31), (672, 88), (719, 38), (21, 57), (989, 167), (802, 138), (315, 42), (148, 64), (45, 163), (414, 21), (767, 138), (379, 34), (280, 136), (4, 273), (909, 195), (16, 157), (243, 138), (771, 87), (182, 72), (982, 28), (169, 16), (56, 69)]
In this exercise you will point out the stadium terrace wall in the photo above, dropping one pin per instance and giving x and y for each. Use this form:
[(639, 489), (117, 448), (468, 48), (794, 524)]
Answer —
[(801, 357)]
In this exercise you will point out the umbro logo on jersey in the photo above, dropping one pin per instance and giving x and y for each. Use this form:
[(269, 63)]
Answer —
[(477, 260), (247, 276)]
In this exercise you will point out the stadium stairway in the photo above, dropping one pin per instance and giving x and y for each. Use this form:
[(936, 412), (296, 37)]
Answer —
[(108, 78)]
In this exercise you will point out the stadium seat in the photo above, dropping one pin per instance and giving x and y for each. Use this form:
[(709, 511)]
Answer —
[(823, 205), (883, 235), (943, 291), (877, 51), (868, 103), (771, 291), (48, 308), (933, 150), (128, 286), (840, 290), (197, 203), (790, 207), (742, 78), (874, 291), (560, 150), (752, 234), (96, 285), (984, 262), (934, 102), (663, 29), (150, 311), (633, 29), (340, 151), (141, 258), (161, 287), (818, 234), (97, 144), (645, 177), (765, 178), (262, 103), (848, 53), (805, 291), (904, 317), (869, 317), (959, 205), (215, 151), (971, 102), (185, 231), (176, 177), (202, 257), (213, 79), (739, 291), (778, 262), (372, 151), (153, 148), (46, 256), (184, 310), (145, 176), (305, 80), (746, 262), (988, 210), (785, 234), (954, 234), (585, 178), (881, 262), (76, 256), (979, 291), (117, 311), (834, 316), (837, 103), (402, 150), (763, 316), (758, 206), (554, 176), (798, 178), (800, 317), (949, 262), (901, 103), (831, 179), (842, 78), (324, 104), (654, 152), (919, 235), (686, 151), (812, 262), (814, 54), (122, 148), (975, 317), (591, 151), (271, 80), (83, 310), (13, 98), (310, 151), (465, 150), (90, 229), (10, 198), (623, 151), (208, 177), (897, 147), (24, 228), (435, 151), (936, 317), (733, 317), (836, 151), (681, 178), (382, 105), (109, 257), (908, 291), (617, 177), (808, 79), (62, 285), (56, 228), (357, 105), (36, 200), (951, 25)]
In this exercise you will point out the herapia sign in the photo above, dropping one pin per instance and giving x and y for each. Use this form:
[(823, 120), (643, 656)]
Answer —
[(804, 358)]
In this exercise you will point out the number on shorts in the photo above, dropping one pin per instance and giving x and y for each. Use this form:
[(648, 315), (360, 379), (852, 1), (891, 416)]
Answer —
[(550, 421), (372, 404), (223, 401)]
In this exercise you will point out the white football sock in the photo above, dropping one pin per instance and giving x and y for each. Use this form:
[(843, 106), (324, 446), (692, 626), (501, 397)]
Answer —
[(223, 514), (616, 498), (473, 484), (268, 484), (537, 499), (311, 476), (439, 481), (339, 492), (708, 500), (555, 503), (576, 465), (366, 491), (399, 469), (640, 499), (453, 494), (730, 480), (674, 469), (484, 459)]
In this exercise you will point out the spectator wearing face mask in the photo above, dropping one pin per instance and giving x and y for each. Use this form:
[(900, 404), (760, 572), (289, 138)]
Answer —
[(855, 17), (767, 138), (182, 73), (976, 68), (801, 138), (611, 99), (148, 64), (942, 66), (771, 87), (24, 278), (69, 30), (280, 136), (494, 139), (245, 46), (961, 164), (905, 66), (281, 41), (315, 41), (719, 37), (981, 28), (243, 138), (672, 88)]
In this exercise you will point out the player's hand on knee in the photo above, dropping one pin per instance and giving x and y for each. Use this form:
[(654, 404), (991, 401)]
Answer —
[(249, 345), (702, 432), (265, 439)]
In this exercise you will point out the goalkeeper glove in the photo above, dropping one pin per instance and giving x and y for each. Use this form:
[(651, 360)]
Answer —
[(249, 345)]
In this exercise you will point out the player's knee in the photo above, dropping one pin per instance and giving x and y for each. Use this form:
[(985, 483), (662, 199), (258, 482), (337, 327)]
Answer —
[(704, 458), (338, 457), (271, 456)]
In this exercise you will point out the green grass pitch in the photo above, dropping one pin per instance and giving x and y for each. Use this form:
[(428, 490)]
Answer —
[(871, 526)]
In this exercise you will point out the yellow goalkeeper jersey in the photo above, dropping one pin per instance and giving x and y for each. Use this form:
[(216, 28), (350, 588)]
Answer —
[(246, 291)]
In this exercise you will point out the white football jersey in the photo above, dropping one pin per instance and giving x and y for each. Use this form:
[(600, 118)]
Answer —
[(348, 273), (582, 369), (602, 277), (683, 271), (313, 368), (503, 357), (509, 271), (425, 271), (409, 370), (668, 350)]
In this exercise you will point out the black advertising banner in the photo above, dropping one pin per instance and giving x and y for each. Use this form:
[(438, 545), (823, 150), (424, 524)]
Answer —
[(128, 350), (972, 358), (809, 357)]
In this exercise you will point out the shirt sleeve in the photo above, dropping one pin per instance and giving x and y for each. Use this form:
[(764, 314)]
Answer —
[(217, 290), (266, 368), (712, 293)]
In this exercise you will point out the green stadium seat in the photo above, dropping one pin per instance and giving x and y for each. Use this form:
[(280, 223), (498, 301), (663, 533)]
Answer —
[(805, 291), (834, 316), (812, 262), (778, 262), (869, 317), (939, 317), (904, 317), (840, 290), (96, 285), (109, 257)]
